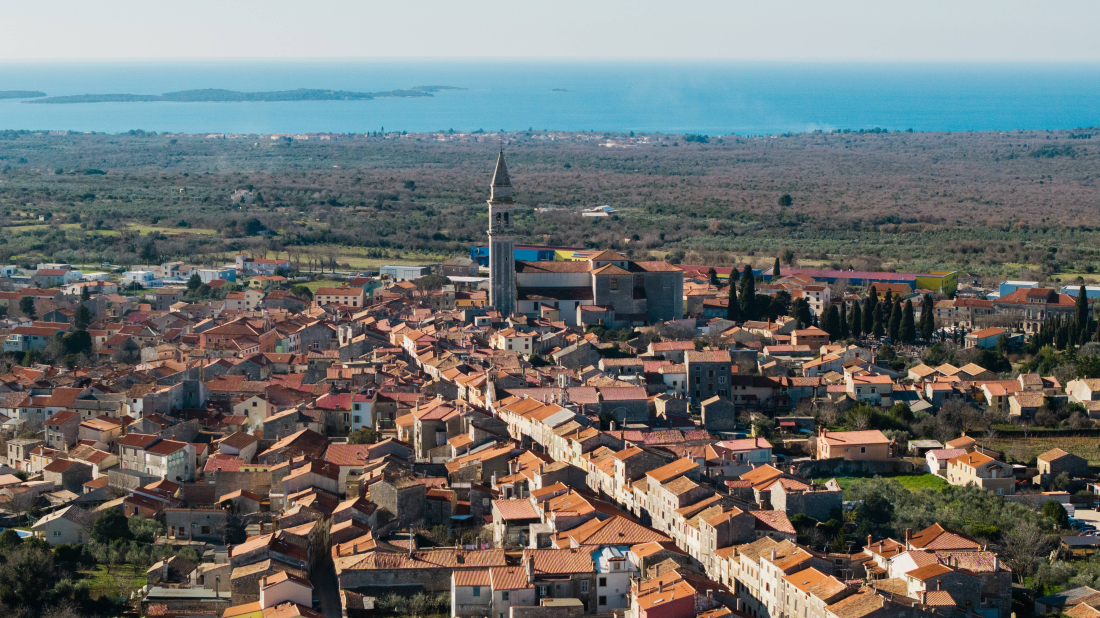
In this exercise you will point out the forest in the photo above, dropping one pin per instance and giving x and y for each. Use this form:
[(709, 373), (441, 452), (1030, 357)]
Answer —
[(1002, 204)]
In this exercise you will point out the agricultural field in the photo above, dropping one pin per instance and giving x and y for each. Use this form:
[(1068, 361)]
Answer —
[(1016, 204)]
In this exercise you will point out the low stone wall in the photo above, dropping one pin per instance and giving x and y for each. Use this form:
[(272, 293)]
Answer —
[(843, 467)]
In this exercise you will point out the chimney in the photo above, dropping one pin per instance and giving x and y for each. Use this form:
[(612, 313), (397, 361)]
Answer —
[(773, 554), (530, 563), (738, 605), (612, 426), (908, 536), (868, 539), (662, 588), (996, 563), (939, 584)]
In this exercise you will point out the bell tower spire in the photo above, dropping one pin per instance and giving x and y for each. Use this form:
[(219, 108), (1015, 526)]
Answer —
[(502, 244)]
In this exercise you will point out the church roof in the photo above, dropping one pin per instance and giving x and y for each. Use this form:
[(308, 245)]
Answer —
[(500, 176), (610, 269), (607, 255), (500, 191)]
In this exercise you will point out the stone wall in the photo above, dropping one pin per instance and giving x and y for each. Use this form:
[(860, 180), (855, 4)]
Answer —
[(569, 611), (431, 580), (842, 467), (258, 482)]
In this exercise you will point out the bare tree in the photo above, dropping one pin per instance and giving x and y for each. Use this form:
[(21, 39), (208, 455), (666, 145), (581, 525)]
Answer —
[(1025, 545)]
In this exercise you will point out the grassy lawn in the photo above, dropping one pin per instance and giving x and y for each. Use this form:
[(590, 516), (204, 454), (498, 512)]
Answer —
[(103, 583), (910, 482)]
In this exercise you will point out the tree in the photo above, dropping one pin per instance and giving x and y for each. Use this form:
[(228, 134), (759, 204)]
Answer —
[(844, 330), (908, 331), (895, 321), (77, 342), (365, 435), (194, 282), (1081, 312), (85, 294), (712, 276), (26, 306), (876, 325), (855, 322), (110, 526), (82, 317), (1024, 547), (1054, 510), (432, 282), (869, 311), (927, 318), (776, 275), (748, 294), (800, 311), (733, 308), (832, 323), (785, 200)]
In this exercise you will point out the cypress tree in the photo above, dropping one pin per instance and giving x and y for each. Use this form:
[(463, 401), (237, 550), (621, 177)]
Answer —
[(856, 321), (844, 330), (869, 311), (775, 269), (876, 323), (748, 294), (908, 327), (888, 299), (735, 276), (832, 323), (895, 321), (1081, 312), (733, 309), (927, 318), (712, 276)]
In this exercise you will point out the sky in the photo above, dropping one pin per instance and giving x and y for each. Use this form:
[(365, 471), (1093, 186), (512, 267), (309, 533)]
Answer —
[(796, 30)]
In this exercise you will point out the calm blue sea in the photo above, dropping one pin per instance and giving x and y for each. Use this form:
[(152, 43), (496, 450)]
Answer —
[(698, 97)]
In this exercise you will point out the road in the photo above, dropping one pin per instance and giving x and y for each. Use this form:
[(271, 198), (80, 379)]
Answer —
[(326, 588)]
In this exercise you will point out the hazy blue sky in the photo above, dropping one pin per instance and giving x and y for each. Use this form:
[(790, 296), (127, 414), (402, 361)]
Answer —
[(982, 30)]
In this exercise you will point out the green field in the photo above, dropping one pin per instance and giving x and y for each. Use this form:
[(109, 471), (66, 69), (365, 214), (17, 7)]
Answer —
[(122, 579), (145, 229), (910, 482)]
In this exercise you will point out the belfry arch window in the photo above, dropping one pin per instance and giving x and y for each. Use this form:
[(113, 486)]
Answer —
[(506, 220)]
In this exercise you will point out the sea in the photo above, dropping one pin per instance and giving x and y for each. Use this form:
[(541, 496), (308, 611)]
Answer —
[(702, 97)]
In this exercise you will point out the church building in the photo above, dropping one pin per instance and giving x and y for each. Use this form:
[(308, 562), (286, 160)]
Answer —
[(606, 288)]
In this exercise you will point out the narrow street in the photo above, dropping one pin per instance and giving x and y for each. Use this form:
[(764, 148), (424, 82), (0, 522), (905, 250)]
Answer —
[(325, 588)]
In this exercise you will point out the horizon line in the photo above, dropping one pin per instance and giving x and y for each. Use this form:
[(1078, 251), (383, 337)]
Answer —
[(552, 59)]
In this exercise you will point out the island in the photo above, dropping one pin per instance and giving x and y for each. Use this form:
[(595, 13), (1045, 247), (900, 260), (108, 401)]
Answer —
[(559, 90), (21, 94), (215, 95)]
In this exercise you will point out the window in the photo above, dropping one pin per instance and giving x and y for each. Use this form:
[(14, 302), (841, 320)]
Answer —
[(603, 600), (254, 404), (542, 591), (504, 596), (863, 449), (614, 284), (356, 418), (603, 582), (57, 533), (477, 591), (584, 585)]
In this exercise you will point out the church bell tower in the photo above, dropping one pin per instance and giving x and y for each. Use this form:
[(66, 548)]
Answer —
[(502, 244)]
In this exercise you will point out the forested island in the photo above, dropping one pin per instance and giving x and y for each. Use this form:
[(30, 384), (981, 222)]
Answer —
[(217, 95), (21, 94)]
